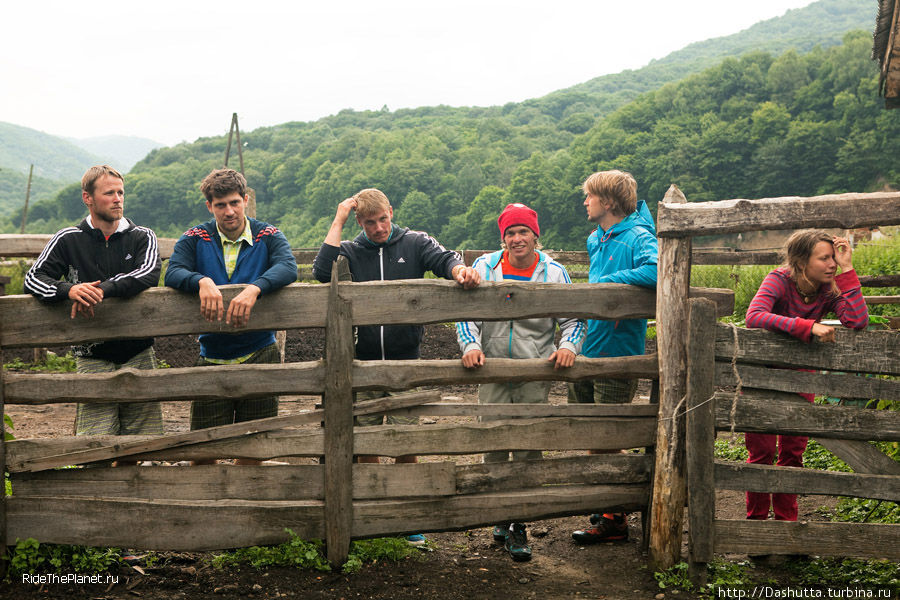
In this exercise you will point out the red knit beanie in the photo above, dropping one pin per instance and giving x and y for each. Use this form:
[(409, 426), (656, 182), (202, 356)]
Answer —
[(518, 214)]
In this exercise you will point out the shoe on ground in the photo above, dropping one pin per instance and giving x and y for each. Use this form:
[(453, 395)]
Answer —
[(500, 533), (604, 528), (416, 540), (517, 543)]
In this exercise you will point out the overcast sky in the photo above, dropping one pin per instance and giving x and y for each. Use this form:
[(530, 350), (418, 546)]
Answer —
[(173, 71)]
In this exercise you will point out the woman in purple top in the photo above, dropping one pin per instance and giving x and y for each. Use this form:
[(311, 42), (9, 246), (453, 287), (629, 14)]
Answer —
[(793, 299)]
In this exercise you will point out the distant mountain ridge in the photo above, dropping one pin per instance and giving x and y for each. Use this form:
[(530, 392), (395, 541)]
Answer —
[(119, 151)]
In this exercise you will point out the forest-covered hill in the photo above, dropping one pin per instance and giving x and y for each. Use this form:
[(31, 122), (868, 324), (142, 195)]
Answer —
[(764, 124)]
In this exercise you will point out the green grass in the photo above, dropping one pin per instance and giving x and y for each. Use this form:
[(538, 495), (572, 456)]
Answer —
[(303, 554), (52, 364)]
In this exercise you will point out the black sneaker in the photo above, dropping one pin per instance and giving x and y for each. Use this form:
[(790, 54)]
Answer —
[(603, 529), (500, 533), (517, 543)]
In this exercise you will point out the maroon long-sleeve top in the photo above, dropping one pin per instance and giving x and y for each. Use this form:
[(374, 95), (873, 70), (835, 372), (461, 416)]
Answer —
[(777, 305)]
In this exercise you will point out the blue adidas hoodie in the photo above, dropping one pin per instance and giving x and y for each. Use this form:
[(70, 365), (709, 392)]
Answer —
[(267, 264), (626, 253)]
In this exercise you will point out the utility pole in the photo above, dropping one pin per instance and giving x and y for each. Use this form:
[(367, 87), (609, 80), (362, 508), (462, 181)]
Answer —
[(234, 129), (27, 196)]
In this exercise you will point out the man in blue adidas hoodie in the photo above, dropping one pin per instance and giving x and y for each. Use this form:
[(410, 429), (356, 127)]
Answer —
[(231, 248), (622, 249)]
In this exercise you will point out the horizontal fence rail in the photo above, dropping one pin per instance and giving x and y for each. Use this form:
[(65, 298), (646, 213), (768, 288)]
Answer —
[(845, 211), (162, 311)]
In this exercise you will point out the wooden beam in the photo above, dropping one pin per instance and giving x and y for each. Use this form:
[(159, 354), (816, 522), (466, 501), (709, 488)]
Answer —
[(244, 381), (197, 525), (855, 351), (862, 457), (31, 245), (797, 480), (870, 300), (669, 484), (749, 257), (880, 280), (164, 311), (840, 385), (529, 411), (212, 434), (843, 211), (393, 440), (307, 482), (700, 430), (338, 402), (862, 540), (765, 411)]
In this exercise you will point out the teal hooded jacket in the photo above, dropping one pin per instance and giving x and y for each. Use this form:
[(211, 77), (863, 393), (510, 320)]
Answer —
[(626, 253)]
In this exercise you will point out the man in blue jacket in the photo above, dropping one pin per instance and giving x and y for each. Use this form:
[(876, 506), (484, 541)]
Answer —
[(622, 249), (231, 248)]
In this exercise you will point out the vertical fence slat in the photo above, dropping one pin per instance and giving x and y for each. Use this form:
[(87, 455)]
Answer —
[(338, 401), (3, 525), (701, 432), (669, 491)]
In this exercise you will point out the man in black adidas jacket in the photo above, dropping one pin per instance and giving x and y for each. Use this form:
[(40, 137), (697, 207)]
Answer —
[(105, 256), (383, 251)]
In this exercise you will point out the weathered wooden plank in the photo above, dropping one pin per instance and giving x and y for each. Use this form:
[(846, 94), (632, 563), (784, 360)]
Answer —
[(237, 482), (863, 540), (592, 469), (796, 480), (306, 482), (163, 311), (842, 211), (118, 449), (529, 411), (338, 403), (882, 299), (840, 385), (241, 381), (700, 430), (748, 257), (862, 457), (669, 485), (765, 411), (405, 374), (186, 383), (388, 440), (31, 245), (196, 525), (880, 280), (856, 351)]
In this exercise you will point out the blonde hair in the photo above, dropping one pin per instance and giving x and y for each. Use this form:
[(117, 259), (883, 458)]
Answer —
[(798, 250), (370, 201), (89, 179), (615, 185)]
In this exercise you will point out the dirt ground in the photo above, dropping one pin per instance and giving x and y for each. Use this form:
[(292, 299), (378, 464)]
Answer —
[(459, 565)]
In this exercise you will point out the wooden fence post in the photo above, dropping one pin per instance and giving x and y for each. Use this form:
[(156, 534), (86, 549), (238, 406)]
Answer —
[(4, 564), (701, 435), (669, 491), (338, 406)]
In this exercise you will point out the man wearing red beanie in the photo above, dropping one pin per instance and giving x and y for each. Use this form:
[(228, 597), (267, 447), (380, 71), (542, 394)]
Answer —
[(519, 260)]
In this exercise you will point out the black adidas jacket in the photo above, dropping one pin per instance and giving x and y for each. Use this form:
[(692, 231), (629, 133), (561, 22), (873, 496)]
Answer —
[(125, 264), (406, 255)]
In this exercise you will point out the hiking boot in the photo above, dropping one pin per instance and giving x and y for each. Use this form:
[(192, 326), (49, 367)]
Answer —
[(517, 543), (500, 533), (416, 540), (605, 528)]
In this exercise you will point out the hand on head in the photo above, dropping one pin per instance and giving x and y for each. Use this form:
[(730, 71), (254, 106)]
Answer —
[(843, 253)]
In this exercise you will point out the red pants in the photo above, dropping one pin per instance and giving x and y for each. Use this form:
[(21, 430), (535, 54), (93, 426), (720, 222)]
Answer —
[(761, 447)]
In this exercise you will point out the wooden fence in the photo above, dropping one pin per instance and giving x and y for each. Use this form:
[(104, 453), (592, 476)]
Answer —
[(209, 507), (689, 373)]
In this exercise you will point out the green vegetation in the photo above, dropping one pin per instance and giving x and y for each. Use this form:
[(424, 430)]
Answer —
[(301, 554), (29, 556), (52, 364), (803, 120)]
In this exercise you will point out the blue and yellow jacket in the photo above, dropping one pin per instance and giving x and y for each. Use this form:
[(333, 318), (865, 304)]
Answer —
[(626, 253), (267, 264)]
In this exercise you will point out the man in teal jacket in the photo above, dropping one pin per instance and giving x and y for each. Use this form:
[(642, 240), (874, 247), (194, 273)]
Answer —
[(622, 249)]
